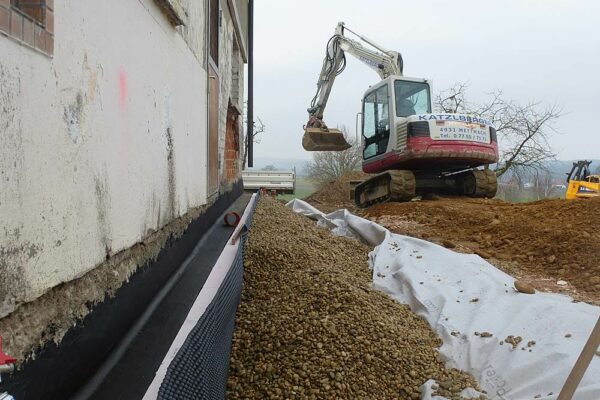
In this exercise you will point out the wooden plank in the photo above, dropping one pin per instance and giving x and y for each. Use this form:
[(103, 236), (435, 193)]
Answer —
[(581, 365)]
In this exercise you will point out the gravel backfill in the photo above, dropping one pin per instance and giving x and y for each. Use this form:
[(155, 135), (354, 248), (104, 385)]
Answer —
[(310, 327), (336, 194)]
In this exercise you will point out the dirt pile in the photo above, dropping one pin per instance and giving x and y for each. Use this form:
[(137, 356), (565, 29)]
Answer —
[(544, 241), (309, 326), (335, 194)]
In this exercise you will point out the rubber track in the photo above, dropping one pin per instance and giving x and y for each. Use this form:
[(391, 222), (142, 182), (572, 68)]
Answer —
[(486, 182), (403, 184)]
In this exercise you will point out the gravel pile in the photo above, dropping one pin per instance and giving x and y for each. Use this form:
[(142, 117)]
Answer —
[(309, 326), (336, 194)]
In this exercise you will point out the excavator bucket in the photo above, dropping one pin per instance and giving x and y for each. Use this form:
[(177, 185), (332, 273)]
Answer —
[(321, 139)]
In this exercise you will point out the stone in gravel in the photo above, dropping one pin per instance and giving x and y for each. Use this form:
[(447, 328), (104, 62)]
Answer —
[(483, 254), (513, 340), (523, 287), (448, 244)]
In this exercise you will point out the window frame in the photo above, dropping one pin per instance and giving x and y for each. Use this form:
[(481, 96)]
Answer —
[(214, 25), (174, 11), (376, 138), (429, 106), (17, 24)]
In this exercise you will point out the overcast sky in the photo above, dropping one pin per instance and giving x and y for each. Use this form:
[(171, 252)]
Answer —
[(534, 50)]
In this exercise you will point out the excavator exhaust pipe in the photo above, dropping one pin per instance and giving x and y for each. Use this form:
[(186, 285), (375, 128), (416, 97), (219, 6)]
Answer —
[(323, 139)]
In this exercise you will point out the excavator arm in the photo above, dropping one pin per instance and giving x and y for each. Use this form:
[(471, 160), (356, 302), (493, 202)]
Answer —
[(317, 137)]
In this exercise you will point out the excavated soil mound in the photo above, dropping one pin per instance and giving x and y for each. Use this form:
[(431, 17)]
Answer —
[(309, 326), (552, 240), (336, 194)]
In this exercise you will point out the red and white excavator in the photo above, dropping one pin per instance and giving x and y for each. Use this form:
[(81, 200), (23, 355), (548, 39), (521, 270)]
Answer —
[(411, 150)]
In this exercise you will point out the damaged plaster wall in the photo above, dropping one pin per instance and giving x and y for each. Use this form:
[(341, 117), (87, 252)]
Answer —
[(102, 145)]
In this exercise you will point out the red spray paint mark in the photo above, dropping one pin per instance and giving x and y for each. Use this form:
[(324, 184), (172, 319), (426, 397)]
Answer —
[(122, 88)]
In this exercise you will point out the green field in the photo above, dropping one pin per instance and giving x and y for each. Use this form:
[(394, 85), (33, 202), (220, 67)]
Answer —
[(304, 187)]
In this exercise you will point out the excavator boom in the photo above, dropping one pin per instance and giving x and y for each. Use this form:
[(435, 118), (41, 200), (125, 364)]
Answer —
[(317, 136)]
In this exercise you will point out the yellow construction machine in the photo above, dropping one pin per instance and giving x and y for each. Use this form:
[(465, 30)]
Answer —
[(580, 183)]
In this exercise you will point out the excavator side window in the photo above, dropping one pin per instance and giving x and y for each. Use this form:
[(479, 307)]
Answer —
[(376, 122)]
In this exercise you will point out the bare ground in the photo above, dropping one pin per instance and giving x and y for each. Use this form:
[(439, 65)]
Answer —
[(543, 242)]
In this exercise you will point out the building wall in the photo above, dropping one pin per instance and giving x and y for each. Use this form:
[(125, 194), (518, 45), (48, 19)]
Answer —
[(231, 87), (102, 144)]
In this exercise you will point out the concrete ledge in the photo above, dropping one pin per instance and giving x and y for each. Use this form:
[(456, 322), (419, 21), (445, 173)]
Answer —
[(173, 10)]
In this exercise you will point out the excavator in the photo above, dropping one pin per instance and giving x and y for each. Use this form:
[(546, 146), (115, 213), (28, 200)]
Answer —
[(580, 183), (409, 149)]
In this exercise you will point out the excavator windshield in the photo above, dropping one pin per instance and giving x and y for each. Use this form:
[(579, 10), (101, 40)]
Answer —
[(411, 98)]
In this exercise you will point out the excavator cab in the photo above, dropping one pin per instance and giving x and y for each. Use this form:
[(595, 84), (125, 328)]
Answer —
[(388, 104)]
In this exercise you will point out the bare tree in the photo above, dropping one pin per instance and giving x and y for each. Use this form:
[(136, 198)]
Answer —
[(542, 183), (259, 128), (511, 186), (327, 166), (269, 167), (523, 130)]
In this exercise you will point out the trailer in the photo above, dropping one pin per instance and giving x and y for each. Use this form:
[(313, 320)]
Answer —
[(283, 182)]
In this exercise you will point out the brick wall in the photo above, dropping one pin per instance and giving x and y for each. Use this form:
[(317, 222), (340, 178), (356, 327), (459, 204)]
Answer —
[(232, 146)]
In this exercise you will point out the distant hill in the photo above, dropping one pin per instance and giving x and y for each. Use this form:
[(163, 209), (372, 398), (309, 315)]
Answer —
[(559, 169), (564, 166), (281, 164)]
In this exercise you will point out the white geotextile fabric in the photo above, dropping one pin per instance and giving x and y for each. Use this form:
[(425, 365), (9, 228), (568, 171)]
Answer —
[(442, 285)]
